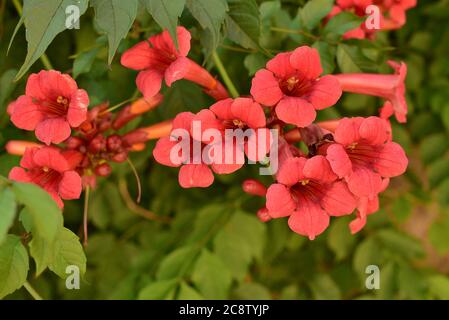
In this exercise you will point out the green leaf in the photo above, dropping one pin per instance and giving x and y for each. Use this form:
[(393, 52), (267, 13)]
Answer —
[(13, 265), (438, 235), (443, 193), (83, 62), (44, 19), (439, 287), (324, 288), (314, 11), (438, 171), (8, 212), (176, 263), (115, 18), (211, 276), (41, 251), (186, 292), (157, 290), (433, 147), (243, 23), (210, 14), (240, 241), (327, 55), (67, 250), (400, 243), (7, 86), (254, 62), (252, 291), (166, 14), (45, 214), (367, 253), (340, 24), (340, 239), (351, 59)]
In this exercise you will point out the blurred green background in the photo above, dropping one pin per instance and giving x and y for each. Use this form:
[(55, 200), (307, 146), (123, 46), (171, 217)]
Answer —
[(214, 247)]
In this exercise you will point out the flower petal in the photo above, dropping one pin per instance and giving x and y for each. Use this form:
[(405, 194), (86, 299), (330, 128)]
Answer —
[(373, 130), (77, 112), (195, 175), (70, 186), (139, 57), (52, 158), (295, 111), (49, 85), (222, 109), (265, 88), (162, 152), (347, 131), (318, 168), (164, 42), (280, 65), (309, 219), (18, 174), (339, 160), (176, 71), (364, 182), (27, 160), (279, 201), (54, 130), (338, 200), (307, 61), (25, 114), (291, 171), (149, 83), (392, 160), (249, 112), (325, 92)]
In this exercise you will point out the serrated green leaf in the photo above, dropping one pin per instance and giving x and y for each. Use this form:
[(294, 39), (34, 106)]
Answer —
[(115, 18), (45, 214), (8, 212), (44, 19), (67, 250), (314, 11), (176, 263), (241, 240), (340, 24), (7, 86), (211, 276), (166, 14), (157, 290), (41, 251), (400, 243), (186, 292), (83, 62), (210, 14), (327, 55), (254, 62), (352, 60), (243, 23), (13, 265), (340, 240), (324, 288)]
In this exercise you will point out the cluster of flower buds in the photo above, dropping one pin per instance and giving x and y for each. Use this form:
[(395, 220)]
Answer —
[(388, 14)]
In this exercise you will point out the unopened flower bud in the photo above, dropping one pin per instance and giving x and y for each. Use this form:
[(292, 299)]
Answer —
[(263, 215), (103, 170), (254, 187)]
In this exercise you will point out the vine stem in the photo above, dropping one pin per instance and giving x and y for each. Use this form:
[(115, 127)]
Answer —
[(31, 291), (44, 58), (85, 215), (224, 74)]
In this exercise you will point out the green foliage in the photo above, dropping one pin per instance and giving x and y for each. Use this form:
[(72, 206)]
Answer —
[(213, 246)]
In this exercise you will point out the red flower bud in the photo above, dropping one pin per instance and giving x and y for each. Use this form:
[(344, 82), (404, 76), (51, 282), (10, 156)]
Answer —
[(97, 144), (263, 215), (114, 143), (103, 170), (120, 157), (254, 187), (73, 143)]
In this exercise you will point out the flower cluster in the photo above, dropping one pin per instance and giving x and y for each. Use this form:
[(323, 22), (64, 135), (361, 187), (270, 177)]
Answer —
[(349, 161), (391, 15)]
